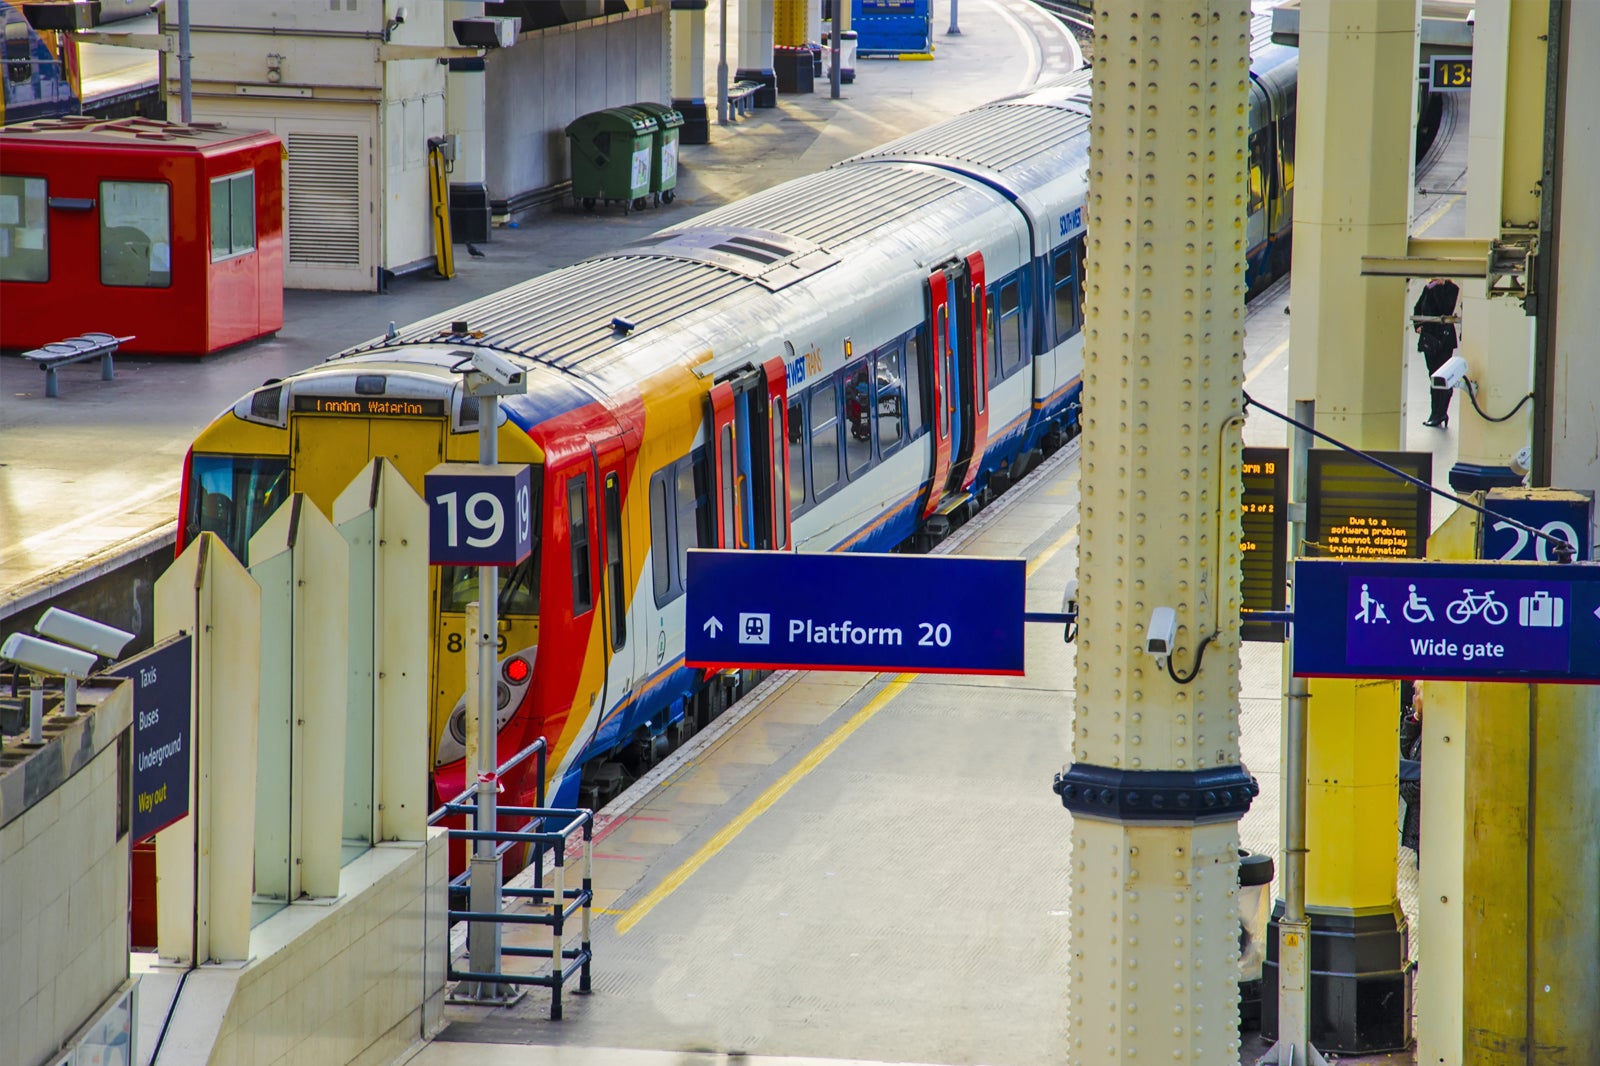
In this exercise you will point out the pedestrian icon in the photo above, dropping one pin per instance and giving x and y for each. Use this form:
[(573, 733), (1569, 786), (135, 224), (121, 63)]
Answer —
[(753, 628), (1416, 609), (1371, 610), (1540, 611)]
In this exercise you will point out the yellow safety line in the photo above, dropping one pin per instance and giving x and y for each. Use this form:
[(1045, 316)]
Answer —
[(1437, 213), (1272, 357), (725, 835), (1044, 556)]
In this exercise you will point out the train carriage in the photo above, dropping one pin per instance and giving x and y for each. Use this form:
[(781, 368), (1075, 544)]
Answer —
[(854, 360)]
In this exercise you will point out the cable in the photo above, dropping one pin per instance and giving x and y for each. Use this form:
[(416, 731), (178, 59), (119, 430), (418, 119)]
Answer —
[(1472, 394), (1199, 654), (1564, 552)]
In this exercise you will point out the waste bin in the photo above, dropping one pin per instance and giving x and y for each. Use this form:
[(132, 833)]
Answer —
[(847, 53), (664, 149), (1255, 902), (611, 157)]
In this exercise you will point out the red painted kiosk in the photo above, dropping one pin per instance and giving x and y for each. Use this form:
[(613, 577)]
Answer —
[(171, 233)]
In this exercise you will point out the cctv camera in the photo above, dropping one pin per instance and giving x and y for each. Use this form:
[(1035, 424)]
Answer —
[(82, 632), (1069, 598), (490, 374), (46, 657), (1452, 375), (399, 16), (1161, 631), (1521, 461)]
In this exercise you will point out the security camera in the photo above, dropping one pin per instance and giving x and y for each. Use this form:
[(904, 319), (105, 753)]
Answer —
[(1161, 631), (491, 374), (399, 16), (1521, 461), (82, 632), (1452, 375), (1069, 598), (47, 657)]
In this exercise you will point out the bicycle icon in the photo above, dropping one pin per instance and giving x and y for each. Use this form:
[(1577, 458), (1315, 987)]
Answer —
[(1475, 603)]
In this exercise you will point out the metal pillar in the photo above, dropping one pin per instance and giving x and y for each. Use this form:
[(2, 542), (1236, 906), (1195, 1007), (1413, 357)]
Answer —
[(1156, 789), (689, 70), (755, 50), (1357, 58), (722, 65)]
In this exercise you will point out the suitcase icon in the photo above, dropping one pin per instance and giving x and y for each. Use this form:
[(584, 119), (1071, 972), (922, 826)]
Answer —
[(1540, 611)]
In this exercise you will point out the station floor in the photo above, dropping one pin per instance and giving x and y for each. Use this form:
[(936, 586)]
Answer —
[(868, 867)]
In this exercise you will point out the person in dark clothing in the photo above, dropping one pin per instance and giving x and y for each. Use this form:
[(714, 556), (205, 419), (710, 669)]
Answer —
[(1436, 340)]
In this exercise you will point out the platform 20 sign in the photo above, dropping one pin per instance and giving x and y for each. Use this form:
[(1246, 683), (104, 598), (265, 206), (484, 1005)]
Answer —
[(479, 515)]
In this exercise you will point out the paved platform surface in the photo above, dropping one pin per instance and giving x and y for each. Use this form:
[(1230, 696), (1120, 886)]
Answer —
[(92, 476)]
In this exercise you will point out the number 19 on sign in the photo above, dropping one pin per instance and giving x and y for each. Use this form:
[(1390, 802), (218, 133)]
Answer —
[(479, 515)]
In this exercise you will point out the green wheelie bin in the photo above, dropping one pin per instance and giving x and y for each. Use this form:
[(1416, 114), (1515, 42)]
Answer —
[(664, 157), (611, 157)]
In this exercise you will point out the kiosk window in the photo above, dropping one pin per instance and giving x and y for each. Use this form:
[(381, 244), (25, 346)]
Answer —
[(24, 229), (233, 215), (136, 234)]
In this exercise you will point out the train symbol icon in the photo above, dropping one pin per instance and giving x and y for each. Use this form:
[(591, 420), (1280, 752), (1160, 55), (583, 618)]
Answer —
[(754, 628)]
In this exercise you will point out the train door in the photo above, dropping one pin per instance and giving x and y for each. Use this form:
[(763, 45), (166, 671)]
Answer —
[(958, 372), (616, 591), (750, 458)]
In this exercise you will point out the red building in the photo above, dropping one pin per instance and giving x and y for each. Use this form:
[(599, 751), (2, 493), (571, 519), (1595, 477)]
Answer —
[(170, 233)]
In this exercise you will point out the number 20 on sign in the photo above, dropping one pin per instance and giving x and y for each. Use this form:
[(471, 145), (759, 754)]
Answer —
[(479, 515)]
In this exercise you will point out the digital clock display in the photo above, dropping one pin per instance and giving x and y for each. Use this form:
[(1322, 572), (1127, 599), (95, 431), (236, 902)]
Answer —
[(1450, 74)]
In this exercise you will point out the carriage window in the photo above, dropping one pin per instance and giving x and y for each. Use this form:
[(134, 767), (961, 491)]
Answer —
[(1009, 357), (889, 398), (1286, 146), (946, 351), (660, 538), (233, 215), (728, 471), (779, 471), (1065, 283), (797, 458), (1258, 170), (858, 418), (616, 566), (135, 234), (578, 530), (233, 496), (24, 229), (824, 438), (913, 391), (688, 495)]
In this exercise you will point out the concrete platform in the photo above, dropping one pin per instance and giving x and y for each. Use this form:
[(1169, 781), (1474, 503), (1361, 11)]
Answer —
[(92, 477)]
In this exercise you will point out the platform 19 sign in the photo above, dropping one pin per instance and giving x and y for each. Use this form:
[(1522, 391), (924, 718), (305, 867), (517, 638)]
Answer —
[(479, 515), (161, 701)]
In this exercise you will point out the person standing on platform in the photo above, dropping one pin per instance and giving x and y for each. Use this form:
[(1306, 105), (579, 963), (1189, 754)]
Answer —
[(1436, 339)]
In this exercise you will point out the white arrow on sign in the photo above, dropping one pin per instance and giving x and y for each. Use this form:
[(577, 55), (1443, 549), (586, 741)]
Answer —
[(712, 626)]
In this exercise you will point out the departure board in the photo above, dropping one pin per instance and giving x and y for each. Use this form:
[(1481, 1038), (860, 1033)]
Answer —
[(1263, 541), (1355, 510)]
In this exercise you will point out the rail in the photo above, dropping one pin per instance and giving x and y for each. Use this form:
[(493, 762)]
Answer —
[(563, 903)]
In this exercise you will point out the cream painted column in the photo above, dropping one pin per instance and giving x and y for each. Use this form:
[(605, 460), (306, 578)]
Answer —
[(755, 50), (385, 523), (1504, 149), (204, 863), (689, 70), (303, 567), (1354, 140), (1156, 789)]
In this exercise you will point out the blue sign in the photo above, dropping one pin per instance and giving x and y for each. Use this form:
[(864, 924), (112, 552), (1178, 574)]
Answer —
[(1447, 621), (1556, 512), (479, 515), (855, 611), (161, 710)]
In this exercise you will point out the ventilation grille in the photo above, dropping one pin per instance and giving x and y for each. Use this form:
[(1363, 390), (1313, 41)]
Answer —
[(325, 199)]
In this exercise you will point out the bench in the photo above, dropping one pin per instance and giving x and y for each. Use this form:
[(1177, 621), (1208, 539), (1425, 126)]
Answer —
[(51, 357), (742, 98)]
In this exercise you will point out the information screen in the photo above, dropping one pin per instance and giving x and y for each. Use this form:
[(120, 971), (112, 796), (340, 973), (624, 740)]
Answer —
[(1450, 74), (1355, 510), (1263, 543)]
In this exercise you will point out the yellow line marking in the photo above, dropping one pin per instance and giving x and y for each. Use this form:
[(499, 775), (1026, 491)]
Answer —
[(1437, 213), (774, 792), (1272, 357), (1061, 542)]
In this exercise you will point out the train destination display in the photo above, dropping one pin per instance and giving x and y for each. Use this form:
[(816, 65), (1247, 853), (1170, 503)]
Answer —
[(1447, 621), (1263, 540), (855, 611), (1355, 510)]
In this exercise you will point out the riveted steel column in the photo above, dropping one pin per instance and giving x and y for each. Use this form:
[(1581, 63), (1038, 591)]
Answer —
[(755, 50), (1156, 789), (1358, 64), (689, 70)]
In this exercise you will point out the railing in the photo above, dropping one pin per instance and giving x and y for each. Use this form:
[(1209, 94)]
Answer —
[(563, 902)]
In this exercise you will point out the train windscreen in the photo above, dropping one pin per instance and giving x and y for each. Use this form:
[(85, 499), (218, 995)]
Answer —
[(232, 496)]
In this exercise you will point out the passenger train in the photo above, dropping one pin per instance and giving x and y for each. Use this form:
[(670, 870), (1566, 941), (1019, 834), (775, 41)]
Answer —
[(855, 360)]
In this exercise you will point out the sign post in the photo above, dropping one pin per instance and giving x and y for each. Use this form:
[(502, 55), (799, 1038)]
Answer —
[(483, 516)]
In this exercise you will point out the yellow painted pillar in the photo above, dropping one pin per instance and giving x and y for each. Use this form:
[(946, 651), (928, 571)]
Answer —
[(204, 862), (1358, 63), (385, 523), (755, 49), (1156, 789), (689, 70)]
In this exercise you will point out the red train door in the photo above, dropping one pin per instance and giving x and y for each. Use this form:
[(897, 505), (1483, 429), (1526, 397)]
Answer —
[(975, 358), (938, 375), (749, 449), (959, 372)]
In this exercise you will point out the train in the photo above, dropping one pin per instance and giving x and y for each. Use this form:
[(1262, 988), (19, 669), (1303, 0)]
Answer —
[(857, 360), (51, 75)]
